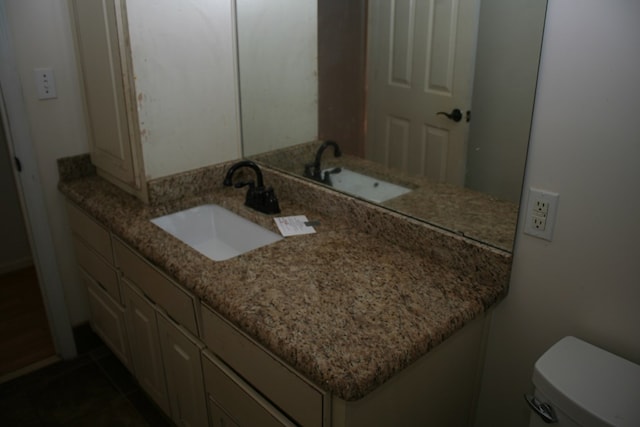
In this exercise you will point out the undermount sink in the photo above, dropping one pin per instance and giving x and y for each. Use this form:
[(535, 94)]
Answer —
[(369, 188), (215, 231)]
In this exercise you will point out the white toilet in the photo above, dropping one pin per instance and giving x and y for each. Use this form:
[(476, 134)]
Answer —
[(578, 384)]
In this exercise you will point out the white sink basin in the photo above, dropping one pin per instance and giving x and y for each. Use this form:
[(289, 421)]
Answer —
[(357, 184), (215, 231)]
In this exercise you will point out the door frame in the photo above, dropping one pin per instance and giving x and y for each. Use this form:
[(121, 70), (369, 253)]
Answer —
[(31, 194)]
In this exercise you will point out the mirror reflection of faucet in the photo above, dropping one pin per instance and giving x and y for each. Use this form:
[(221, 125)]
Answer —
[(314, 170), (326, 178), (258, 197)]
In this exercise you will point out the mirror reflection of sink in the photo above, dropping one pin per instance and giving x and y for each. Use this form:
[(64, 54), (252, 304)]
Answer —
[(215, 231), (369, 188)]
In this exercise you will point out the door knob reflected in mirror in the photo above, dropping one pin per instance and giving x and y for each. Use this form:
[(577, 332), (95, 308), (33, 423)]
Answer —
[(455, 115)]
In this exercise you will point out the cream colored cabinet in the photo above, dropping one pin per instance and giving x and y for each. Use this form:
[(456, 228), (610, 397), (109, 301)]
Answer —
[(228, 379), (263, 390), (166, 354), (142, 327), (218, 417), (108, 320), (247, 385), (159, 288), (233, 402), (183, 370), (439, 389), (105, 66), (147, 81), (94, 254)]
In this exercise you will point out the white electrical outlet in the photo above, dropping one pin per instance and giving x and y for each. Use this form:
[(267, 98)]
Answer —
[(541, 212), (539, 222), (541, 206)]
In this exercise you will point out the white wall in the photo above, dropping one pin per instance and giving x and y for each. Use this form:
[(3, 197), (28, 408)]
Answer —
[(42, 38), (186, 84), (278, 58), (585, 145)]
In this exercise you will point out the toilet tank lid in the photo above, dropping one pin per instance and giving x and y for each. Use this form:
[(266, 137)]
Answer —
[(589, 384)]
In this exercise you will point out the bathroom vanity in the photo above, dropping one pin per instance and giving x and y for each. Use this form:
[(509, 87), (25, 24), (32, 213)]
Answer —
[(376, 319)]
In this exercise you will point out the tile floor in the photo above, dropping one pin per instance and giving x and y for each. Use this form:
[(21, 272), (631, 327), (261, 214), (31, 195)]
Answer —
[(94, 389)]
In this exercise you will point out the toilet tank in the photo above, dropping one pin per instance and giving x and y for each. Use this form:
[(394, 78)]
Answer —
[(587, 386)]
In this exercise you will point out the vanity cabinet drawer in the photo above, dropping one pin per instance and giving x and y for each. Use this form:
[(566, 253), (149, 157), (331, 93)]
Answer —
[(159, 288), (103, 273), (301, 400), (92, 233), (233, 402)]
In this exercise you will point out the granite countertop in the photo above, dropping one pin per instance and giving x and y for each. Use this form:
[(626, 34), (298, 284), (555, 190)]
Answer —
[(347, 307), (470, 213)]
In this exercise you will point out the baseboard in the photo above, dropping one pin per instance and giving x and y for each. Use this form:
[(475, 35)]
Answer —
[(28, 369), (14, 265)]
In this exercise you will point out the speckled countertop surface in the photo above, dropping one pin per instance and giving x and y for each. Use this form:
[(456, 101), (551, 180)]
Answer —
[(347, 307), (466, 212)]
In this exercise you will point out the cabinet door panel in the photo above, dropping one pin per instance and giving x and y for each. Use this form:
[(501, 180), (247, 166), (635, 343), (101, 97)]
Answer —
[(108, 320), (179, 304), (183, 370), (217, 416), (299, 399), (103, 273), (99, 35), (240, 402), (94, 234), (145, 346)]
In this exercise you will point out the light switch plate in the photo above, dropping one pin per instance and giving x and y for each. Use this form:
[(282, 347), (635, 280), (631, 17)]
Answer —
[(45, 83)]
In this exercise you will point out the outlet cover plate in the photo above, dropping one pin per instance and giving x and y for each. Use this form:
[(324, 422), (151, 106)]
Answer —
[(541, 211)]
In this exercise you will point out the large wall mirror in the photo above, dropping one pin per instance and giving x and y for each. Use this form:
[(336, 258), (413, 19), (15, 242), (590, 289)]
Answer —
[(429, 101)]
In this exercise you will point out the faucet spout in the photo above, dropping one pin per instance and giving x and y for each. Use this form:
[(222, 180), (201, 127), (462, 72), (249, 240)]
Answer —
[(314, 170), (258, 197), (228, 179)]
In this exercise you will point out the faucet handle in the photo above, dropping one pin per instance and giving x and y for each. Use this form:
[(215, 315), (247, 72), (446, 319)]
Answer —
[(309, 170)]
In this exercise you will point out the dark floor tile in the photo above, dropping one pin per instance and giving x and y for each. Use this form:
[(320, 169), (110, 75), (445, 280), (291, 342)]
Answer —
[(117, 373), (149, 410), (99, 352), (94, 389), (43, 376), (82, 391), (86, 340), (17, 410), (118, 412)]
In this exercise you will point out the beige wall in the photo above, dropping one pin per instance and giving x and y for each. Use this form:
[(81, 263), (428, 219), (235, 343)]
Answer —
[(41, 35), (584, 145)]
